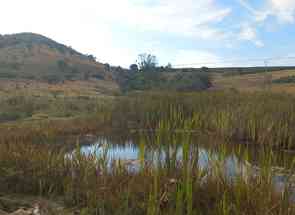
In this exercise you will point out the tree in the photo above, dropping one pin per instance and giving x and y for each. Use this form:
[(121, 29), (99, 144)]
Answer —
[(169, 66), (119, 69), (107, 67), (147, 62), (133, 68), (204, 69), (91, 58)]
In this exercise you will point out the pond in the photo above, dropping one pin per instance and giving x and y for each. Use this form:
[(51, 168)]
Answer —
[(236, 158)]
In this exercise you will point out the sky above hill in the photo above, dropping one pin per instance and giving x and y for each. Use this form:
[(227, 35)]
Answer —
[(201, 32)]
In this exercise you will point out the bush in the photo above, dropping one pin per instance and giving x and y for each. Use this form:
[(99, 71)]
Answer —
[(11, 116), (172, 81), (285, 80)]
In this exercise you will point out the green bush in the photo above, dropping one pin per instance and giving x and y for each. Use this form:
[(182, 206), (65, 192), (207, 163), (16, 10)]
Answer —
[(162, 81), (11, 116), (285, 80)]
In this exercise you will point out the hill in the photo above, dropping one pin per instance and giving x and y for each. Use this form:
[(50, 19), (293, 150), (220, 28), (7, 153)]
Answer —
[(43, 66), (35, 57)]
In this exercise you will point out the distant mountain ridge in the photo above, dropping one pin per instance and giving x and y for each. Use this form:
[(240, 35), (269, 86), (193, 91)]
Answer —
[(33, 56)]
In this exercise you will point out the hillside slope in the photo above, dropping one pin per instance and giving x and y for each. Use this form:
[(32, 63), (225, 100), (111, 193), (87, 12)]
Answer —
[(35, 57)]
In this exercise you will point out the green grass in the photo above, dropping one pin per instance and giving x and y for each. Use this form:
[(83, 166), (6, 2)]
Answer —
[(29, 107)]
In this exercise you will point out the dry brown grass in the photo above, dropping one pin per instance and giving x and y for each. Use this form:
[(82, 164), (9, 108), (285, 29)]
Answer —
[(93, 88), (254, 82)]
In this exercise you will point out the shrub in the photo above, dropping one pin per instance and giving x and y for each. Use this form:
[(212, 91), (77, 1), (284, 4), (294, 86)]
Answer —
[(285, 80)]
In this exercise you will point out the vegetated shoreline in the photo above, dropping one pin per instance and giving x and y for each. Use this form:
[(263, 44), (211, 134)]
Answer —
[(28, 165), (252, 118)]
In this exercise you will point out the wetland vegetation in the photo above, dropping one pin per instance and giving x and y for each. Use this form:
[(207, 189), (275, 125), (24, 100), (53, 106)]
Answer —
[(192, 154)]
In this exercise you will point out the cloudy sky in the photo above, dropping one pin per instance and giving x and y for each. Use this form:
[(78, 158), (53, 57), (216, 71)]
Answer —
[(202, 32)]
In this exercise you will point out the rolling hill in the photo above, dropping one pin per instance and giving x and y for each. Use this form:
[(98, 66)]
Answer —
[(33, 57), (40, 65), (36, 57)]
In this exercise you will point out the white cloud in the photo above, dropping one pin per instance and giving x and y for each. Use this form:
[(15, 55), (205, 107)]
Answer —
[(259, 15), (283, 10), (259, 43), (248, 33), (88, 25), (185, 18)]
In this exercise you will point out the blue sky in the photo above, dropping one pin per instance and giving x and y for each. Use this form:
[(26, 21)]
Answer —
[(203, 32)]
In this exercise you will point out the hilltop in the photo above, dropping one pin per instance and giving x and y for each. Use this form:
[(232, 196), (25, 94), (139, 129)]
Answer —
[(33, 56), (38, 65)]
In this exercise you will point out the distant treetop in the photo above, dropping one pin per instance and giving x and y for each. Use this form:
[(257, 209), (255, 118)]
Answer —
[(147, 62)]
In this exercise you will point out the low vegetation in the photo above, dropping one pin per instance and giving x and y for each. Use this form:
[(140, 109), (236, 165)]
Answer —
[(175, 81), (28, 107), (30, 164), (170, 187), (260, 118), (285, 80)]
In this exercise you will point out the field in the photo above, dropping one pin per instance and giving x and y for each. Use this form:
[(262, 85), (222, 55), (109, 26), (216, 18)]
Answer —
[(35, 159), (94, 88), (254, 82)]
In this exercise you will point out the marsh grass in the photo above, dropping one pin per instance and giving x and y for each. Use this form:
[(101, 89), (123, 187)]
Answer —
[(256, 118), (165, 122), (89, 182)]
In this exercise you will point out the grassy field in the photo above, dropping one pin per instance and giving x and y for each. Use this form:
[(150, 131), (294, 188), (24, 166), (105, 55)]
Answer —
[(254, 82), (32, 100), (94, 88)]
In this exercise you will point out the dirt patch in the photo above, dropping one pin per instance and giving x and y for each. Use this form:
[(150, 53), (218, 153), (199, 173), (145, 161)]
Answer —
[(29, 205)]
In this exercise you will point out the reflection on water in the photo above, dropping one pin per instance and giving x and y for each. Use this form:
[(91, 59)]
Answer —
[(125, 151), (234, 163), (129, 150)]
